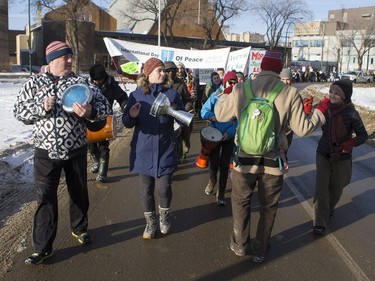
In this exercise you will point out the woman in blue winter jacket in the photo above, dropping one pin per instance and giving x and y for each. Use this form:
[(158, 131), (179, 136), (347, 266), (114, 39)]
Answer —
[(154, 146), (220, 156)]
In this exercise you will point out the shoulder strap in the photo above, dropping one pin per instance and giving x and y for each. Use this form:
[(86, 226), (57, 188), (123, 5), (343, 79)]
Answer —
[(271, 96), (248, 91), (275, 91)]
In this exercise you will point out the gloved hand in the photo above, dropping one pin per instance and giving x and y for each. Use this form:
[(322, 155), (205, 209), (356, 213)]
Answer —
[(307, 104), (323, 105), (347, 146)]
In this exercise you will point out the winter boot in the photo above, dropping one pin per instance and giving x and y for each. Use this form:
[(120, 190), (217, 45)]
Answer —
[(220, 198), (210, 187), (95, 166), (164, 220), (103, 168), (151, 225)]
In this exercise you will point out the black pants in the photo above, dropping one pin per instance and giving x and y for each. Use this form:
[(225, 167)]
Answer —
[(163, 187), (47, 177), (220, 159), (99, 150)]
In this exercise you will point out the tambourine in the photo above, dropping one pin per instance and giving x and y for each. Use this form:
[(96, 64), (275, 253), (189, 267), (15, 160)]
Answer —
[(80, 93)]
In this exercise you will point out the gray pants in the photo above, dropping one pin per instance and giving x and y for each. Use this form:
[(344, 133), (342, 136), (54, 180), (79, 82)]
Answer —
[(163, 187), (329, 185), (269, 189)]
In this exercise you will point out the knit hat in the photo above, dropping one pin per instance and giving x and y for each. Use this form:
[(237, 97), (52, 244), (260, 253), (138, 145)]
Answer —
[(230, 75), (344, 88), (97, 72), (170, 65), (57, 49), (286, 73), (151, 64), (272, 60)]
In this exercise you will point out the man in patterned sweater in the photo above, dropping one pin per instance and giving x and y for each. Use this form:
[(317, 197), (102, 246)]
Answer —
[(60, 144)]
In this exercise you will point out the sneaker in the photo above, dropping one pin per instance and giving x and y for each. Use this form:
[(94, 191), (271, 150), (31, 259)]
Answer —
[(101, 178), (319, 230), (38, 258), (210, 187), (83, 237), (164, 221), (238, 251), (258, 259)]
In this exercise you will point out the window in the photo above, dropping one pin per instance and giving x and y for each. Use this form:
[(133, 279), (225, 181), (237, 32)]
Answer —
[(353, 60)]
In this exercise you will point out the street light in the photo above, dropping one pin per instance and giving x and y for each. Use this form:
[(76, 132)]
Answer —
[(286, 39)]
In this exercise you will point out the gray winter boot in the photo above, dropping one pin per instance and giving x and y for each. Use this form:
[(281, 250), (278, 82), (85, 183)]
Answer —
[(210, 187), (151, 225), (164, 221)]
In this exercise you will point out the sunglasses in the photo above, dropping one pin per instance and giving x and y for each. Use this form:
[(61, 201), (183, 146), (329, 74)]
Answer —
[(170, 70), (232, 82)]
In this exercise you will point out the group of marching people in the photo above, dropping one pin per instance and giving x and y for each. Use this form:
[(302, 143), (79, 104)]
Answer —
[(155, 149)]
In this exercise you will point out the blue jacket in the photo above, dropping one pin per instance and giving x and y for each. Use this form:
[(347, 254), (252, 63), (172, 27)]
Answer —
[(154, 146), (208, 110)]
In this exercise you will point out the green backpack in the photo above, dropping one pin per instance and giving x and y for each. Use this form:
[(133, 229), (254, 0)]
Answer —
[(256, 127)]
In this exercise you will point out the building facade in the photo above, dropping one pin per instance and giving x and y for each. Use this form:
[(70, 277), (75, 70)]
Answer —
[(338, 44)]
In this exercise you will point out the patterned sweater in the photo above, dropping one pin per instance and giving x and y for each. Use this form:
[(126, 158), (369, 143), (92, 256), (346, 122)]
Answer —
[(57, 131)]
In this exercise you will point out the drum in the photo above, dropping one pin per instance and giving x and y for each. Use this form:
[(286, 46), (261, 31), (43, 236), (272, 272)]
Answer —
[(210, 138), (177, 129), (108, 132), (75, 93)]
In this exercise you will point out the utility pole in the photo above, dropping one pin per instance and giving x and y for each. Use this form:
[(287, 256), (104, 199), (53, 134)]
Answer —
[(29, 40)]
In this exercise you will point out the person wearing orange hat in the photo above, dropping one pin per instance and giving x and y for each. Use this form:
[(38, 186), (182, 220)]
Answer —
[(60, 144), (263, 171), (220, 157), (154, 146)]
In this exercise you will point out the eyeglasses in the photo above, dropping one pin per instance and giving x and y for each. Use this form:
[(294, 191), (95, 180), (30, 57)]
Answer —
[(232, 82)]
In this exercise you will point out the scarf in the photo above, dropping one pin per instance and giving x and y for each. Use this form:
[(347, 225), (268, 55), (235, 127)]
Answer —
[(337, 130)]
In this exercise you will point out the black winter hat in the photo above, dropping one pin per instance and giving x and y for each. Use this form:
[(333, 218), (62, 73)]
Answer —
[(97, 72), (170, 65), (347, 87)]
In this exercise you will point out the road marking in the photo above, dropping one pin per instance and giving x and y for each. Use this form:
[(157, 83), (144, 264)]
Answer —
[(345, 256)]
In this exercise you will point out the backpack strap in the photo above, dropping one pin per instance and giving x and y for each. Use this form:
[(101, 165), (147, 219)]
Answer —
[(271, 96), (275, 91)]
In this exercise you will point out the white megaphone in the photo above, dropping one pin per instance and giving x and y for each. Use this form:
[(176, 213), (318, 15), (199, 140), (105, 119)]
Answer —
[(162, 106)]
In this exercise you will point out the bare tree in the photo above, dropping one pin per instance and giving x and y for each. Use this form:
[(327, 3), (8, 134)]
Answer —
[(148, 10), (210, 16), (279, 15), (361, 39), (72, 11), (217, 14)]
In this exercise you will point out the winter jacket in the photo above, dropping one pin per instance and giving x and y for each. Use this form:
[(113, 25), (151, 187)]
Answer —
[(289, 109), (113, 92), (154, 146), (57, 131), (207, 112), (180, 86), (352, 122)]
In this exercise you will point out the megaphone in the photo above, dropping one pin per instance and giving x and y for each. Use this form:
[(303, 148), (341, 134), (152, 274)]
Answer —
[(162, 106)]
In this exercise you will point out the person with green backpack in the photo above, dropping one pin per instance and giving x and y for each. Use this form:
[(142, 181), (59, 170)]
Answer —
[(263, 106)]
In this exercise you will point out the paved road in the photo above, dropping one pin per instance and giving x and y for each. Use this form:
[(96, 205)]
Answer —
[(198, 246)]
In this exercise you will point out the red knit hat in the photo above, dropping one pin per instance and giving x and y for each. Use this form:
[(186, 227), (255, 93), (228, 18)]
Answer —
[(230, 75), (151, 64), (272, 60), (57, 49)]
